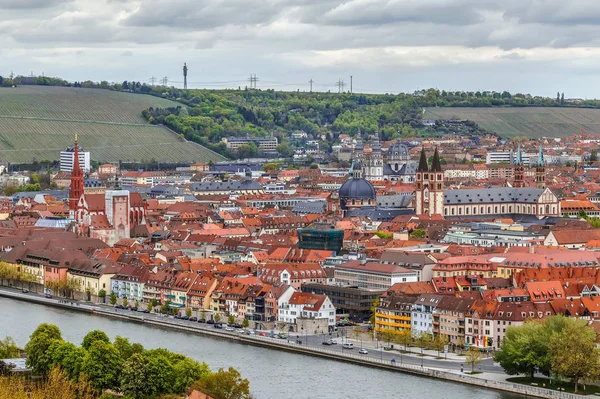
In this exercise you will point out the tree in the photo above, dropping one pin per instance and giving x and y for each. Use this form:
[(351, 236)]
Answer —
[(38, 357), (125, 302), (217, 318), (438, 343), (245, 323), (404, 339), (523, 349), (373, 311), (285, 150), (159, 373), (558, 97), (188, 312), (93, 336), (102, 364), (562, 99), (136, 304), (113, 298), (387, 336), (230, 319), (154, 302), (473, 357), (9, 349), (594, 155), (5, 369), (224, 385), (134, 379), (418, 233), (574, 353), (124, 347), (149, 306), (102, 294), (187, 372)]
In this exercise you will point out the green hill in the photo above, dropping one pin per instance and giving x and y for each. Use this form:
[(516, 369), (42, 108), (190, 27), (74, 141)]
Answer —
[(37, 122), (532, 122)]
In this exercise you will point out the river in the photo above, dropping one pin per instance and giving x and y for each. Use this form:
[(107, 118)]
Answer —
[(272, 373)]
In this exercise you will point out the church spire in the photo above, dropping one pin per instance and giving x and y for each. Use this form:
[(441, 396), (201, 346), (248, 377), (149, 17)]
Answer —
[(76, 179), (436, 165), (519, 159), (540, 160), (376, 142), (423, 167)]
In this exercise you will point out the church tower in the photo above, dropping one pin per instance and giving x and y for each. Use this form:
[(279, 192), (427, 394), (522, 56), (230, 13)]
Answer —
[(518, 181), (422, 186), (76, 181), (375, 164), (436, 183), (540, 170)]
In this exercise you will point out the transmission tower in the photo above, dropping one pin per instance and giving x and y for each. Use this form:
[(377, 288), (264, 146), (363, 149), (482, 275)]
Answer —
[(253, 79), (164, 81), (340, 85), (311, 81), (152, 80)]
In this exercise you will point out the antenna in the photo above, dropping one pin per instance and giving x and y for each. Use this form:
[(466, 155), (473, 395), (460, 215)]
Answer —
[(311, 81), (185, 70)]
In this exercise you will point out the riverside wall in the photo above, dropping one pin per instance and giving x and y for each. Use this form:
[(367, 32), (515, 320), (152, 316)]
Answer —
[(364, 360)]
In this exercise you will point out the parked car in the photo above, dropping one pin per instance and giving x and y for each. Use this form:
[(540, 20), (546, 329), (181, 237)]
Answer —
[(202, 321), (363, 351), (184, 317), (236, 325), (329, 342), (218, 325), (230, 329), (48, 296), (348, 345), (193, 318), (262, 334), (133, 308), (119, 307), (25, 290), (210, 321)]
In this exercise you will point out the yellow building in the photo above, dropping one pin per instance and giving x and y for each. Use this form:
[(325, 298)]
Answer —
[(394, 314)]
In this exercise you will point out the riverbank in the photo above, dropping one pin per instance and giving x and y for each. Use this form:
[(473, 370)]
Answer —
[(485, 380)]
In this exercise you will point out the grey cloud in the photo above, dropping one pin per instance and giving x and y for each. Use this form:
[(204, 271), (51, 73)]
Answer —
[(30, 4)]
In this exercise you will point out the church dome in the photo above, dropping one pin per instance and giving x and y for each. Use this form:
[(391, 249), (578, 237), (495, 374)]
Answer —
[(357, 190), (398, 150)]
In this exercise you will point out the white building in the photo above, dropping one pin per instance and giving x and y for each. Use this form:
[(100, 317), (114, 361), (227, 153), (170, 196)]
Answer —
[(422, 314), (499, 157), (66, 160), (373, 276), (307, 306)]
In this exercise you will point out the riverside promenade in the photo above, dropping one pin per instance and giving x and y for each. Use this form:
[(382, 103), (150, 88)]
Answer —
[(380, 359)]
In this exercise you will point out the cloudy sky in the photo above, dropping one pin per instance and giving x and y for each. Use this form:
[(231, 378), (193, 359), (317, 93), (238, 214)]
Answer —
[(531, 46)]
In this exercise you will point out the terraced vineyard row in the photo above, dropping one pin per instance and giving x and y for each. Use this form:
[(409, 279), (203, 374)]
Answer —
[(530, 122), (22, 140), (77, 104), (38, 122)]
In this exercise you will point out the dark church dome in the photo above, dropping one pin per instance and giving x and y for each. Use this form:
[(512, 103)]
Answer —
[(356, 189)]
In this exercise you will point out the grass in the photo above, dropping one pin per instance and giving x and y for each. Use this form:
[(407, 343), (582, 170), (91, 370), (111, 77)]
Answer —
[(36, 123), (531, 122), (556, 384)]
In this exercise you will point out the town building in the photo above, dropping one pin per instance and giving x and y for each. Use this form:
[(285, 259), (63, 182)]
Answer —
[(67, 158), (372, 276)]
